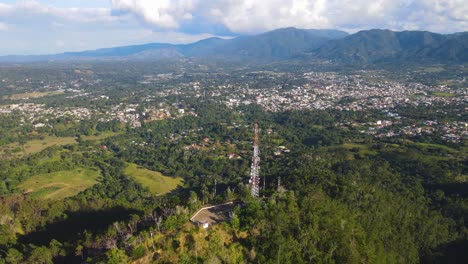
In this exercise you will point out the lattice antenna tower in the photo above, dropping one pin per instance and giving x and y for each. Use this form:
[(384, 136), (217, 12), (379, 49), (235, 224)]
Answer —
[(254, 169)]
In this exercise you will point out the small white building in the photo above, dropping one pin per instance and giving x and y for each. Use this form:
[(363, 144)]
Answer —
[(204, 224)]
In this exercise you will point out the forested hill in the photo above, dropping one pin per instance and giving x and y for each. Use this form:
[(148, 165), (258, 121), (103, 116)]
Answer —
[(108, 162), (386, 45), (367, 46), (366, 201)]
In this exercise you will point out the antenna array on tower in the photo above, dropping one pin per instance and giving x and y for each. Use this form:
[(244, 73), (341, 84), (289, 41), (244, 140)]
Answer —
[(254, 170)]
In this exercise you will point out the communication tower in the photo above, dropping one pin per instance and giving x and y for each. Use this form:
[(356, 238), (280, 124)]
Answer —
[(254, 169)]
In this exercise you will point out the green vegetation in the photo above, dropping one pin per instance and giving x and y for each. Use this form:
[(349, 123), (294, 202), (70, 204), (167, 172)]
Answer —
[(443, 94), (435, 148), (32, 95), (37, 145), (361, 150), (100, 136), (97, 189), (153, 180), (59, 185), (434, 69)]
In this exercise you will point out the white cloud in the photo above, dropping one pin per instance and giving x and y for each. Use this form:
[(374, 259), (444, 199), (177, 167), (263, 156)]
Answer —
[(255, 15), (4, 8), (245, 16), (3, 27), (452, 9), (36, 27), (161, 13)]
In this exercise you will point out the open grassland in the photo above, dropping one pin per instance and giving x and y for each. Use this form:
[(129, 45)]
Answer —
[(443, 94), (435, 148), (361, 150), (32, 95), (435, 69), (153, 180), (59, 185), (100, 136), (36, 145)]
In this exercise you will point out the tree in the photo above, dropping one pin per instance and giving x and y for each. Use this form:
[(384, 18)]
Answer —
[(40, 255), (205, 193), (230, 194), (56, 248), (193, 200), (235, 222), (14, 256), (116, 256), (133, 223)]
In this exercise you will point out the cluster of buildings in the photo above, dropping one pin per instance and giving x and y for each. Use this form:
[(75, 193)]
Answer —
[(273, 91), (453, 132), (34, 113), (39, 115), (349, 93)]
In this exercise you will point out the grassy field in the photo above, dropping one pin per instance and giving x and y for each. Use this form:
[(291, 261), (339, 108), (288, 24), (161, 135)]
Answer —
[(59, 185), (100, 136), (38, 145), (435, 148), (32, 95), (359, 149), (154, 181), (434, 69), (443, 94)]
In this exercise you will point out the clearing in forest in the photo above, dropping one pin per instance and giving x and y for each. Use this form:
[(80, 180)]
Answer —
[(59, 185), (213, 214), (30, 95), (153, 180), (37, 145)]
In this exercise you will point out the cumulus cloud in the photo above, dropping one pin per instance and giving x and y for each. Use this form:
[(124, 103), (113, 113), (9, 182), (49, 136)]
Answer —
[(244, 16), (254, 15), (36, 26), (162, 13)]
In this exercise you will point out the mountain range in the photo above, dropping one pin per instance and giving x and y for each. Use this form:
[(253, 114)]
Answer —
[(368, 46)]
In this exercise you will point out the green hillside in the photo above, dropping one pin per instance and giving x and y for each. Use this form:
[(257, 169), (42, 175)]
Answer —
[(59, 185), (153, 180)]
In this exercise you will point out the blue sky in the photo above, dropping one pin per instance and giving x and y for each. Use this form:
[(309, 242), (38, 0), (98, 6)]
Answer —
[(53, 26)]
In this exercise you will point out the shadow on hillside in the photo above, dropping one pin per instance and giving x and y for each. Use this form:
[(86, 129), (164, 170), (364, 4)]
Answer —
[(68, 230), (457, 189), (454, 252)]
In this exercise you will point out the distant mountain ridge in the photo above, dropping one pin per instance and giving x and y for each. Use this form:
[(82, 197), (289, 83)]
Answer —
[(384, 45), (368, 46)]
